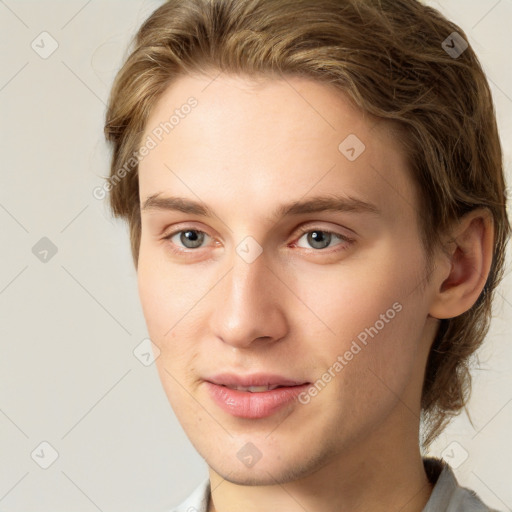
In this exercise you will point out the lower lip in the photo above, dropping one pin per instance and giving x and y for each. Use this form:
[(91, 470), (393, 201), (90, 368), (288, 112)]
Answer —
[(245, 404)]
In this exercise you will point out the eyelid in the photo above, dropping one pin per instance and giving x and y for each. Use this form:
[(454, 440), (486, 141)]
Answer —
[(178, 228), (344, 242), (182, 229), (315, 227), (302, 230)]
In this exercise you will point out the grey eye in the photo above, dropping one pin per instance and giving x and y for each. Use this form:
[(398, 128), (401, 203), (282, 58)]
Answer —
[(319, 239), (190, 238)]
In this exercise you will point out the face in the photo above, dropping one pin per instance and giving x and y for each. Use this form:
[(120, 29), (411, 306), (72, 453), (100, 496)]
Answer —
[(280, 246)]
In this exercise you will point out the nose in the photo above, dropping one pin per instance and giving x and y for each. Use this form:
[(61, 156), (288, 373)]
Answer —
[(248, 305)]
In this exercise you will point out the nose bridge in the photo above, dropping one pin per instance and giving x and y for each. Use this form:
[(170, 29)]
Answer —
[(246, 306)]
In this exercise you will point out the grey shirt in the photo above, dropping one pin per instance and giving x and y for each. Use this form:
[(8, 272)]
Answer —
[(447, 495)]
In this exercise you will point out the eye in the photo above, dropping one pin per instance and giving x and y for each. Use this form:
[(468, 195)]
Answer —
[(320, 238), (189, 238)]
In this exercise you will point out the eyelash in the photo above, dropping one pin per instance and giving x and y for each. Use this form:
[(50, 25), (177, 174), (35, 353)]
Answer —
[(345, 241)]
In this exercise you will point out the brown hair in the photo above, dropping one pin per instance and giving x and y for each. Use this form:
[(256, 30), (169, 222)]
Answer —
[(392, 58)]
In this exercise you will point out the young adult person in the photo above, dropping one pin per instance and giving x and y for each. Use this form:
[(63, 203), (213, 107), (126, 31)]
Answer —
[(317, 213)]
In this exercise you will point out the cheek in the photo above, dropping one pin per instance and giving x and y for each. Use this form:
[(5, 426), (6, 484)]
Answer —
[(165, 309), (163, 303), (166, 291), (352, 295), (172, 300), (372, 312)]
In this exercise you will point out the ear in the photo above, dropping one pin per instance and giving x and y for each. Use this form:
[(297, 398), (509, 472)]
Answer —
[(469, 248)]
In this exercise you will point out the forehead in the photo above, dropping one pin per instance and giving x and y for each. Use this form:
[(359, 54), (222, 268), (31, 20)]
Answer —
[(270, 140)]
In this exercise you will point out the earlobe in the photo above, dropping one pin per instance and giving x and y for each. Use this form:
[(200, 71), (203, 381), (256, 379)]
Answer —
[(470, 253)]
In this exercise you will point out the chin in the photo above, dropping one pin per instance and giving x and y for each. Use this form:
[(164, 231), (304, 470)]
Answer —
[(271, 469)]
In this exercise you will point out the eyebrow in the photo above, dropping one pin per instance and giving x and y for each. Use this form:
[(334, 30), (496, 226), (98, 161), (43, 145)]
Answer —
[(314, 204)]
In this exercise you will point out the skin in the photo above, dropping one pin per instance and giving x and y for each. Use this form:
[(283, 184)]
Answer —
[(247, 148)]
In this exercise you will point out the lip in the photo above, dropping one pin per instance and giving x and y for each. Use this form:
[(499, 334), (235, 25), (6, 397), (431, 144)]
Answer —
[(255, 379), (253, 405)]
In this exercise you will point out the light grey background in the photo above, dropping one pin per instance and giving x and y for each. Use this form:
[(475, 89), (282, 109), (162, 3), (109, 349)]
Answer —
[(69, 326)]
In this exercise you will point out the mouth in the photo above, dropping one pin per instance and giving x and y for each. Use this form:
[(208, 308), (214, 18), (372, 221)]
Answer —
[(253, 389), (253, 396), (255, 380)]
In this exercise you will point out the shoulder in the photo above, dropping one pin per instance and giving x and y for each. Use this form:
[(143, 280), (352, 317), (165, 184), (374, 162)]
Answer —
[(197, 501), (447, 495)]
